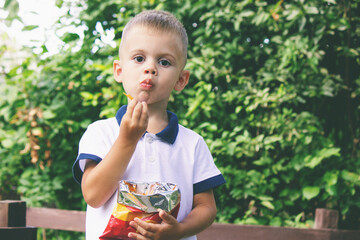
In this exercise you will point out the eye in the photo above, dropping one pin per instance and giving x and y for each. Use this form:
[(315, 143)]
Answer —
[(139, 59), (164, 63)]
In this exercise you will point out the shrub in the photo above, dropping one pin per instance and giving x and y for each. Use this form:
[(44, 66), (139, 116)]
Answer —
[(274, 91)]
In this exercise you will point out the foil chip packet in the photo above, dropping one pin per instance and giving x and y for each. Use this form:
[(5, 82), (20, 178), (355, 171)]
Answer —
[(141, 200)]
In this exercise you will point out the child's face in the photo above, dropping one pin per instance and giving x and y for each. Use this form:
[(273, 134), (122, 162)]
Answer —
[(151, 65)]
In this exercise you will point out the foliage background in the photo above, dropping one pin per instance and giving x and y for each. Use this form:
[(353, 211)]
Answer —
[(274, 90)]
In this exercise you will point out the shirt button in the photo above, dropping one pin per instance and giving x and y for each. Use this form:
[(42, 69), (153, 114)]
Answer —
[(152, 159), (149, 139)]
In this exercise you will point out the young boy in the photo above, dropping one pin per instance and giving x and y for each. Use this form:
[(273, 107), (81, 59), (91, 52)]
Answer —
[(144, 141)]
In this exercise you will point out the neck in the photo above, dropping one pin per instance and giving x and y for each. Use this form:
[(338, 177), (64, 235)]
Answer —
[(158, 119)]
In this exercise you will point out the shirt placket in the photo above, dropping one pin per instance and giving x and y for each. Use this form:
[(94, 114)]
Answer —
[(150, 154)]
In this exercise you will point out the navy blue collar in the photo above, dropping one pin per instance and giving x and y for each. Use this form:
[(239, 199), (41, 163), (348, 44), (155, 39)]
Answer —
[(168, 134)]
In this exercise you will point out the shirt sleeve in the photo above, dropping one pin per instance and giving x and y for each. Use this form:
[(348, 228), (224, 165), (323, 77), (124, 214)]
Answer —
[(206, 174), (91, 147)]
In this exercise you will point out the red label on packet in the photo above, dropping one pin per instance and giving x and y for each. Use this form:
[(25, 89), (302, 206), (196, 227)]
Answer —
[(119, 224), (146, 196)]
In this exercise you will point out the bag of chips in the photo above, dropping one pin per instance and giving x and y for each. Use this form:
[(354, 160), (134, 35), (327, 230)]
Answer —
[(141, 200)]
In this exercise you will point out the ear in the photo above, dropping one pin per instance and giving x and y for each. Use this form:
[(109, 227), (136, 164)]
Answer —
[(117, 71), (182, 81)]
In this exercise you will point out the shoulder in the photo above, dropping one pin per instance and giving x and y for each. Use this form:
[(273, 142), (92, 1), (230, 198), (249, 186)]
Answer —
[(187, 133), (103, 124), (190, 138), (100, 129)]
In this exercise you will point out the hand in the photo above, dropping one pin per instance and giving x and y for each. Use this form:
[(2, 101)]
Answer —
[(135, 121), (169, 229)]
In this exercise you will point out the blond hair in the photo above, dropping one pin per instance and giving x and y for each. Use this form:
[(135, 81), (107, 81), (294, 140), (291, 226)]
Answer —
[(161, 21)]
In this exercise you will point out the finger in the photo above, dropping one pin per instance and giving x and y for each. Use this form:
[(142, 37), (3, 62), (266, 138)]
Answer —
[(145, 228), (130, 108), (137, 111), (145, 225), (167, 218), (136, 236), (150, 228), (144, 115)]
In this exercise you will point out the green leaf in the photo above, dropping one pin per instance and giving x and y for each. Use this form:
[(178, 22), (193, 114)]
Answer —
[(268, 204), (263, 161), (350, 176), (87, 95), (59, 3), (293, 14), (48, 114), (310, 192), (313, 161), (30, 27), (68, 37), (7, 143), (311, 10), (12, 94), (195, 104), (231, 148), (7, 3), (330, 1), (247, 13), (12, 6)]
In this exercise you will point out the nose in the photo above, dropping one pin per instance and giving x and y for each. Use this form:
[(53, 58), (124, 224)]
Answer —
[(150, 69)]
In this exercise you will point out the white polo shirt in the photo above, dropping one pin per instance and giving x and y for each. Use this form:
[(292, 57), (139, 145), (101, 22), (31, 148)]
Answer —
[(176, 155)]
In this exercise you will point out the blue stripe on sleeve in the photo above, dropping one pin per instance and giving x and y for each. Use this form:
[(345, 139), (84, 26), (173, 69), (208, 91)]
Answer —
[(209, 184), (77, 173)]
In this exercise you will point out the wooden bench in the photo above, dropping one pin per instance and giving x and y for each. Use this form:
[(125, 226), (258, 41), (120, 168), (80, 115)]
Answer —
[(19, 222)]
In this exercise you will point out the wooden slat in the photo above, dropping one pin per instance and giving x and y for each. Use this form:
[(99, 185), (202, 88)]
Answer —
[(326, 218), (56, 219), (12, 213), (248, 232), (75, 221), (18, 233)]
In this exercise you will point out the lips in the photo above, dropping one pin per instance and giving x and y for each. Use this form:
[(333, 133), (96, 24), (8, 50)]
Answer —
[(146, 84)]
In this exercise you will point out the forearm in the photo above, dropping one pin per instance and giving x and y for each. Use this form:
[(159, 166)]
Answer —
[(201, 217), (100, 181)]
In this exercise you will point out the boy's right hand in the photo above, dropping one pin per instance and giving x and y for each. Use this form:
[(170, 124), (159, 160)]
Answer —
[(135, 121)]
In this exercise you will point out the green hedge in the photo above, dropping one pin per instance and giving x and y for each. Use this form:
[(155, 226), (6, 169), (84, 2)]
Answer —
[(274, 90)]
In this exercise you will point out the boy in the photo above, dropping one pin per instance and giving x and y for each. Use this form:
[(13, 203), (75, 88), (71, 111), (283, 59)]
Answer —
[(144, 142)]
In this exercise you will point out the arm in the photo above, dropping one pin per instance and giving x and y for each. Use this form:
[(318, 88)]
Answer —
[(100, 181), (201, 217)]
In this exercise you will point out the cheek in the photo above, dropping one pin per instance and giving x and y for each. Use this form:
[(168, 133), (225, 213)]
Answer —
[(129, 75), (127, 85)]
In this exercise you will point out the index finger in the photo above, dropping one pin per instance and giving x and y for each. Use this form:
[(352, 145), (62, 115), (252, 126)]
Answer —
[(144, 115), (131, 107), (148, 227)]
